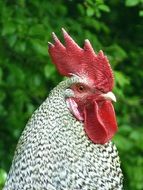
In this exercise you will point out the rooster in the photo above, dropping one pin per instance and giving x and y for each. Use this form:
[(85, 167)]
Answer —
[(66, 145)]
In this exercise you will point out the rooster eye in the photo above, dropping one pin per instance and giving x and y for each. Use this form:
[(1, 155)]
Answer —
[(81, 88)]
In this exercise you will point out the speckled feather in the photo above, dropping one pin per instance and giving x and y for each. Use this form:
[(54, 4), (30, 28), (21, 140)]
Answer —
[(54, 153)]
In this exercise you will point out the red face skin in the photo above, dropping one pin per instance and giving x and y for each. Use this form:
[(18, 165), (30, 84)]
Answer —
[(95, 111), (85, 93)]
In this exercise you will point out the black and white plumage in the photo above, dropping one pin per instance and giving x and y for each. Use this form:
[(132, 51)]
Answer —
[(54, 153)]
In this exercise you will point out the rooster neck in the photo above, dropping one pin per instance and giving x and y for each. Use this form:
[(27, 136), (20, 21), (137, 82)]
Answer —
[(54, 152)]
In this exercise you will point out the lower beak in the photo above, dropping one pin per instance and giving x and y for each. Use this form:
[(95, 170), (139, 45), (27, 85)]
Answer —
[(109, 96)]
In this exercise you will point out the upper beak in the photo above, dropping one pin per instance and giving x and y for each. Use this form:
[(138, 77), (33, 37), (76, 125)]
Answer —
[(109, 96)]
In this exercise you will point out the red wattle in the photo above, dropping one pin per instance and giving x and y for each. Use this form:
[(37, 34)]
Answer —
[(100, 121)]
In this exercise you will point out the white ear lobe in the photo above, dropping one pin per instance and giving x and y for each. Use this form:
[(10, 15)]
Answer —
[(69, 93)]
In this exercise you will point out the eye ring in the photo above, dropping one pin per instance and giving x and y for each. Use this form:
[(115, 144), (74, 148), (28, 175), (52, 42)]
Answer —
[(81, 88)]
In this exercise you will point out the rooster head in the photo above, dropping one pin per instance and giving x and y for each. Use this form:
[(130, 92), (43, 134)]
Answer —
[(92, 100)]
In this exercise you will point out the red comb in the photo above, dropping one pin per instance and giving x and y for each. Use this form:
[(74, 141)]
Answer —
[(71, 59)]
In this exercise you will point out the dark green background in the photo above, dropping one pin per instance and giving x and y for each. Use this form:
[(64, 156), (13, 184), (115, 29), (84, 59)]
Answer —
[(27, 75)]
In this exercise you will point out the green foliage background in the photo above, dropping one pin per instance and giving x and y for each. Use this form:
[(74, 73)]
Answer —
[(27, 75)]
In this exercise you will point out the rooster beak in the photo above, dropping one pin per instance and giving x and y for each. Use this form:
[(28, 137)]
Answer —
[(109, 96)]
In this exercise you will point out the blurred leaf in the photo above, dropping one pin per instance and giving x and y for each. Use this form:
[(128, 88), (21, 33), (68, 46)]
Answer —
[(39, 46), (1, 75), (141, 13), (118, 53), (132, 2), (8, 28), (2, 96), (104, 8), (123, 143), (3, 176), (20, 46), (37, 30), (49, 71), (12, 40), (121, 79), (90, 11)]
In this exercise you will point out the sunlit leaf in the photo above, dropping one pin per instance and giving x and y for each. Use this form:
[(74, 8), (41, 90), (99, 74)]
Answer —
[(141, 13), (132, 2), (90, 11), (104, 8)]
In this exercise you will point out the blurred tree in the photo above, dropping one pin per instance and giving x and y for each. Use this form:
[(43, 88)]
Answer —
[(27, 76)]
